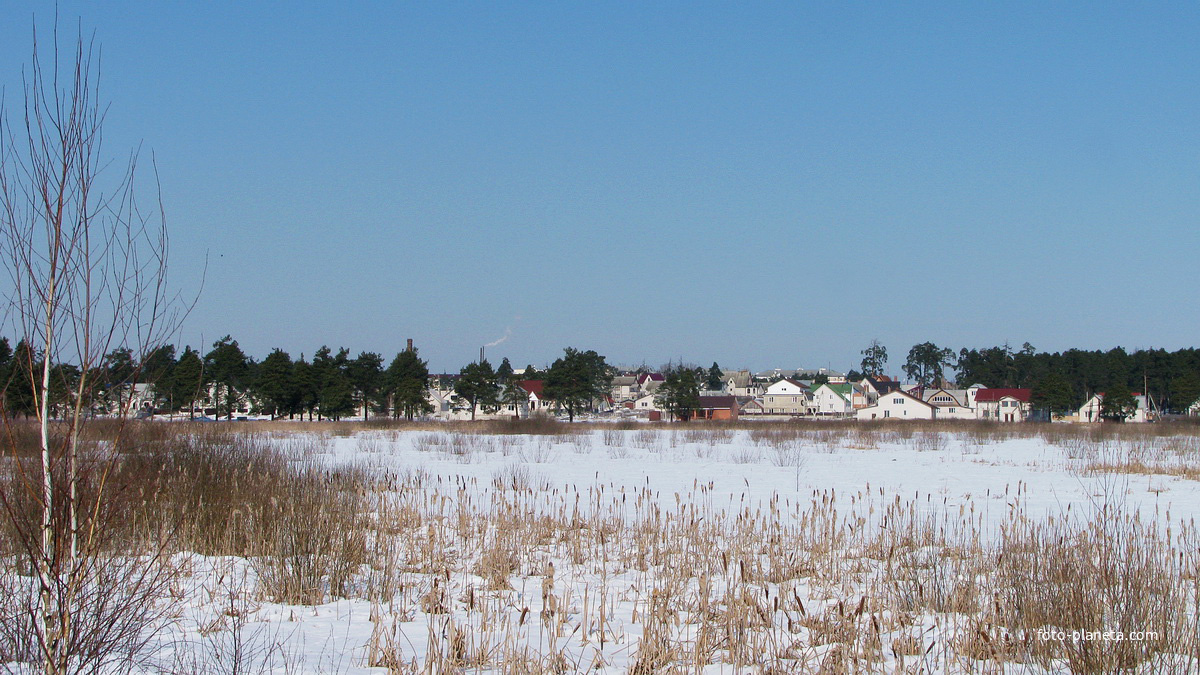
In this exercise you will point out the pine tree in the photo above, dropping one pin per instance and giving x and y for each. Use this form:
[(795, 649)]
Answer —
[(186, 381), (713, 380), (577, 379), (1054, 393), (1118, 404), (276, 383), (679, 394), (334, 391), (19, 387), (226, 366), (504, 372), (477, 387), (405, 382), (874, 359), (366, 375)]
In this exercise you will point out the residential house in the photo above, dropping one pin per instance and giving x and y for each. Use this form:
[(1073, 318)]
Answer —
[(898, 405), (717, 408), (624, 388), (750, 406), (646, 403), (741, 383), (834, 399), (875, 386), (950, 403), (647, 383), (1002, 405), (787, 397), (1090, 411)]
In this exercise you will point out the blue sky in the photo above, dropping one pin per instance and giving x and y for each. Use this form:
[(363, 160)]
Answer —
[(767, 185)]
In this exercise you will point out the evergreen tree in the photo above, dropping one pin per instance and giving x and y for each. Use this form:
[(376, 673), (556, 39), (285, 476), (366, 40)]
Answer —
[(406, 381), (679, 394), (307, 387), (64, 384), (1185, 390), (505, 372), (874, 359), (335, 392), (116, 380), (157, 370), (532, 373), (1054, 393), (227, 367), (5, 370), (577, 379), (276, 383), (514, 395), (366, 375), (18, 394), (1118, 404), (477, 387), (713, 380), (927, 363), (187, 381)]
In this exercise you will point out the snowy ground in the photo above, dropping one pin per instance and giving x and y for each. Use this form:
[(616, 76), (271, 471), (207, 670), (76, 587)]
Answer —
[(564, 610)]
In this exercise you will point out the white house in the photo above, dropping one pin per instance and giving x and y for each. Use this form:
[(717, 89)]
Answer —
[(1090, 411), (646, 404), (834, 400), (647, 383), (1002, 405), (898, 405), (787, 397)]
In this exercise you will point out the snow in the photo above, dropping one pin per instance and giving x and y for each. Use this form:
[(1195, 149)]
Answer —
[(623, 475)]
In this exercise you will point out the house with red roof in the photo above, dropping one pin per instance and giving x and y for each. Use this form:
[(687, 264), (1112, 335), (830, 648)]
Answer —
[(1002, 405)]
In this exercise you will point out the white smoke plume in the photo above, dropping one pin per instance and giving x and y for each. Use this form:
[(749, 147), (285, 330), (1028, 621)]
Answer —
[(507, 334)]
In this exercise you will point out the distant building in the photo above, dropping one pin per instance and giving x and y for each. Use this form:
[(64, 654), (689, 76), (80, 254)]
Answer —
[(1002, 405)]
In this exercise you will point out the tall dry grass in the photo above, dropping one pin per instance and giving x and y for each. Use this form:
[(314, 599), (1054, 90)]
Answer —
[(503, 571)]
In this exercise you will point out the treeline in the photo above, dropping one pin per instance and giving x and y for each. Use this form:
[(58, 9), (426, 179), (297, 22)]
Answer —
[(1060, 380), (331, 384), (1067, 379)]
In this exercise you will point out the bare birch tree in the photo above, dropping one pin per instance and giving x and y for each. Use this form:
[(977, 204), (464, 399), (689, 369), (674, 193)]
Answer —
[(87, 264)]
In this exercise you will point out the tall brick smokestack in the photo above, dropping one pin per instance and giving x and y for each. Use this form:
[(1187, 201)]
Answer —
[(409, 345)]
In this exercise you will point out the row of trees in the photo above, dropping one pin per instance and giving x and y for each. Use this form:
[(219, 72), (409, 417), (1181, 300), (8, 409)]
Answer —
[(331, 384), (574, 382), (1060, 381)]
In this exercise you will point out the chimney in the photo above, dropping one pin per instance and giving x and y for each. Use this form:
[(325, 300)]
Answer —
[(481, 354), (409, 345)]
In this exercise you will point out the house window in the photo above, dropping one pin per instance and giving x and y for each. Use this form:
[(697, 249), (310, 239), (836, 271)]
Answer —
[(886, 413), (898, 401)]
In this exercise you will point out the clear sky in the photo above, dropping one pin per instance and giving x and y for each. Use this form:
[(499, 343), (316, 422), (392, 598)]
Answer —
[(761, 185)]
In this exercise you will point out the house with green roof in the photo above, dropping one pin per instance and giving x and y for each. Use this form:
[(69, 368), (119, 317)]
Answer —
[(836, 399)]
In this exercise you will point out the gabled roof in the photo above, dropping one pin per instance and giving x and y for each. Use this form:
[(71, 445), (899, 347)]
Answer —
[(715, 402), (993, 395), (843, 389), (900, 392), (882, 383), (739, 378), (656, 377), (957, 395), (534, 387)]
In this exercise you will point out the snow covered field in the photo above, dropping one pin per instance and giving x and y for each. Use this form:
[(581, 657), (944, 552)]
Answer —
[(710, 549)]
